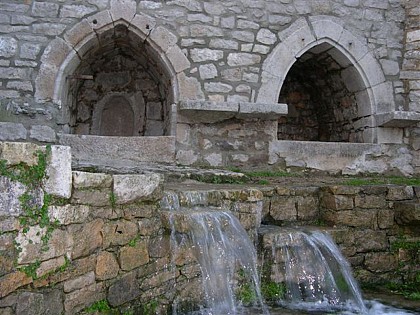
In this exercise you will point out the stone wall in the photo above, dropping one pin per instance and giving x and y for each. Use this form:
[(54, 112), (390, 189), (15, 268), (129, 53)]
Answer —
[(54, 56), (108, 237)]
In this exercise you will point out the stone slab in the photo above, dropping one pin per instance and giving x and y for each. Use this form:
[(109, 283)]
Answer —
[(119, 150), (398, 119)]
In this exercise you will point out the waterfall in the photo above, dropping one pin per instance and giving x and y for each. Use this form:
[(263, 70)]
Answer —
[(317, 275), (223, 250)]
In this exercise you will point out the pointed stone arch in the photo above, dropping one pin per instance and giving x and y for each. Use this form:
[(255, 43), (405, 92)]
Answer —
[(65, 54), (364, 74)]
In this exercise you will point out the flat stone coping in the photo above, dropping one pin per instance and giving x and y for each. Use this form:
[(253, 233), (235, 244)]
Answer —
[(118, 151), (397, 119), (208, 111)]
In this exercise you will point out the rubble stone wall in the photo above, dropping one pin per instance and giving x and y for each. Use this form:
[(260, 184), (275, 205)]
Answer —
[(86, 237), (219, 52)]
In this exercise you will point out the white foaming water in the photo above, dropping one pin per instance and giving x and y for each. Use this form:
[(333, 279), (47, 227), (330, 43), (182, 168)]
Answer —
[(222, 248)]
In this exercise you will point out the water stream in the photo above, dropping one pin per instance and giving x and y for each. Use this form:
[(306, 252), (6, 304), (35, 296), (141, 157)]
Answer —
[(317, 276)]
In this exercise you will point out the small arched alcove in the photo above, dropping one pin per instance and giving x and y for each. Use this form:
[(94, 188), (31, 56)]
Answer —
[(119, 88), (323, 91), (334, 86)]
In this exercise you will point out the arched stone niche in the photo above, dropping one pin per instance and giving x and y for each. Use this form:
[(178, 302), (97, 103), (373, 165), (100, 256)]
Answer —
[(115, 52), (320, 48)]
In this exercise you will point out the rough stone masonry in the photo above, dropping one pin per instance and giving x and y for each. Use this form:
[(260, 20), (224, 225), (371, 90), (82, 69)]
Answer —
[(227, 80)]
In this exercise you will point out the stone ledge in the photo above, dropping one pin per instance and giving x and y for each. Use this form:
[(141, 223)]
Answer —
[(100, 150), (397, 119), (210, 112)]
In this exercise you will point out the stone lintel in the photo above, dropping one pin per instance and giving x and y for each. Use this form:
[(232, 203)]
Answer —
[(208, 111), (398, 119)]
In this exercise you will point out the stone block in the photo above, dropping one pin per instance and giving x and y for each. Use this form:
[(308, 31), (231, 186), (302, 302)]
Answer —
[(99, 20), (368, 240), (59, 175), (119, 232), (337, 202), (205, 54), (163, 38), (83, 180), (36, 303), (400, 193), (370, 202), (69, 214), (107, 266), (189, 88), (283, 209), (8, 46), (134, 256), (12, 281), (407, 213), (10, 192), (326, 27), (12, 131), (352, 218), (59, 244), (123, 9), (177, 58), (385, 219), (77, 300), (77, 11), (78, 32), (265, 36), (381, 262), (119, 151), (79, 282), (124, 290), (49, 266), (307, 208), (390, 135), (100, 197), (200, 30), (42, 133), (20, 152), (45, 9), (242, 59), (130, 188), (88, 237)]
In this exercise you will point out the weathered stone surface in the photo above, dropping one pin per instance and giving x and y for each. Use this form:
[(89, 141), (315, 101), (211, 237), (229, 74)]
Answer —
[(49, 266), (8, 46), (407, 213), (79, 282), (205, 54), (10, 191), (283, 209), (77, 300), (69, 214), (129, 188), (35, 303), (12, 281), (31, 244), (124, 290), (16, 152), (92, 197), (8, 254), (107, 266), (88, 237), (265, 36), (45, 9), (242, 59), (59, 176), (119, 232), (400, 193), (134, 256), (42, 133), (307, 208), (370, 201), (381, 262), (337, 202)]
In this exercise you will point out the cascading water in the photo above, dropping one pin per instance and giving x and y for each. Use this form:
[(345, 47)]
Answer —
[(317, 276), (223, 249)]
